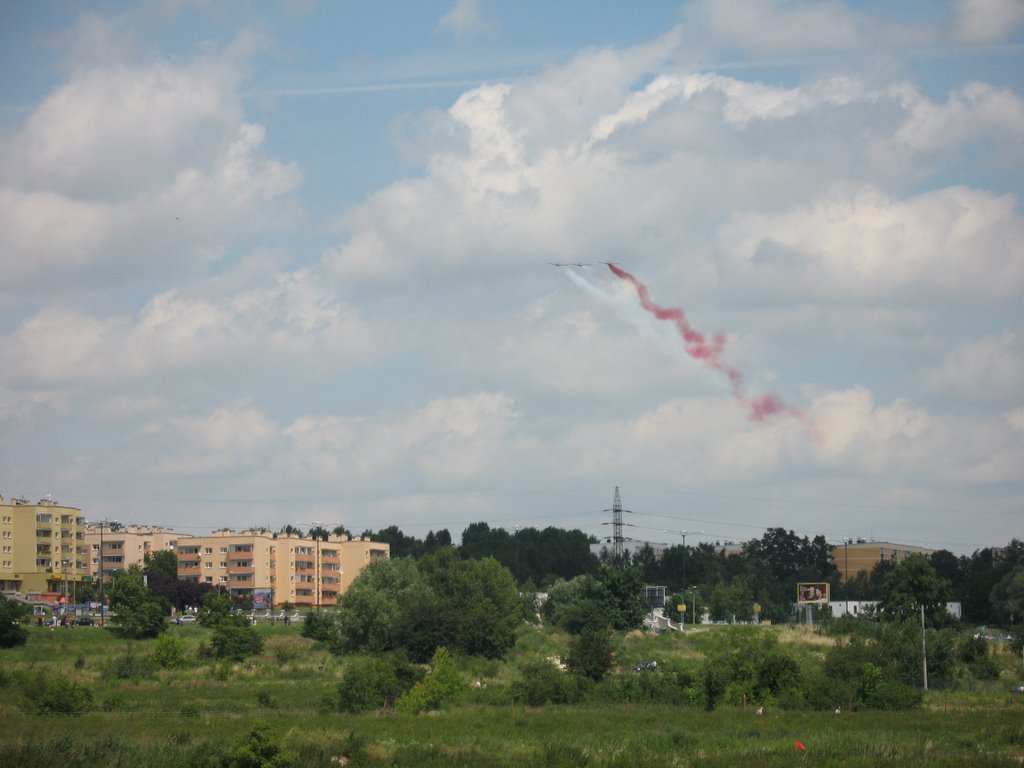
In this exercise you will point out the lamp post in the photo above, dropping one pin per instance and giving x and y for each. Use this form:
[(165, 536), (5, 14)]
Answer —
[(101, 524), (693, 591), (518, 577), (846, 573), (684, 534), (64, 567)]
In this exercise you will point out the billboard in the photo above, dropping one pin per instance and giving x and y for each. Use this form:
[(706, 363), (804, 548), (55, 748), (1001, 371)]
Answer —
[(812, 592), (262, 599)]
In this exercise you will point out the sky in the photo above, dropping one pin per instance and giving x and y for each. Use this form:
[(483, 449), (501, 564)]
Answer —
[(270, 263)]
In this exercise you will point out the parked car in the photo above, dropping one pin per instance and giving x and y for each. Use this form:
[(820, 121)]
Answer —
[(85, 621), (185, 618)]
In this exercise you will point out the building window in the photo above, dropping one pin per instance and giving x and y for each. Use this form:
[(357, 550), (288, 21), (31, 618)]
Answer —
[(209, 550)]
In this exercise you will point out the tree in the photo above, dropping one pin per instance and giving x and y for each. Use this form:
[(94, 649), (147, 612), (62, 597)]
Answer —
[(164, 562), (139, 612), (12, 613), (474, 608), (1008, 597), (731, 601), (912, 584), (215, 608), (591, 654), (234, 641), (371, 608), (612, 600)]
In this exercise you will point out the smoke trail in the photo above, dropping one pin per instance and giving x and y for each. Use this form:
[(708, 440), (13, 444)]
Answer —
[(707, 350)]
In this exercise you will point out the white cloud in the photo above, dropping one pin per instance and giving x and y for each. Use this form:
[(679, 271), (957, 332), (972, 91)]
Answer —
[(126, 159), (974, 113), (464, 19), (771, 27), (988, 369), (986, 21), (292, 320), (952, 242), (230, 438)]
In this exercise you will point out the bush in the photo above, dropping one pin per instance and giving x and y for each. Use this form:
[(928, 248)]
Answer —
[(443, 685), (373, 683), (128, 666), (591, 654), (234, 641), (12, 613), (541, 682), (168, 652), (46, 695), (257, 749)]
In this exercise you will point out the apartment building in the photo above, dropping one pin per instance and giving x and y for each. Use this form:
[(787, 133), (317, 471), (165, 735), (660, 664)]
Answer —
[(122, 546), (42, 548), (285, 567), (860, 556)]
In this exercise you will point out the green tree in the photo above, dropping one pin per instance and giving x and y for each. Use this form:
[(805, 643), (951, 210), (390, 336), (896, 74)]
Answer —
[(164, 562), (139, 613), (215, 608), (372, 607), (912, 584), (1008, 597), (12, 613), (731, 601), (473, 608), (235, 641), (591, 654)]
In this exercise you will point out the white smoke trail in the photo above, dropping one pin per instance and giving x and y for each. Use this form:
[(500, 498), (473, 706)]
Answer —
[(622, 300)]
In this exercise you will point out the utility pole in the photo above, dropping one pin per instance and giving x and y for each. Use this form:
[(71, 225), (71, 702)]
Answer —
[(617, 555), (924, 651), (101, 524)]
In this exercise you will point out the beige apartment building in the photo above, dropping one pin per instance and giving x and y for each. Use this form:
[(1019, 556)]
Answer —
[(859, 556), (42, 548), (125, 545), (285, 568)]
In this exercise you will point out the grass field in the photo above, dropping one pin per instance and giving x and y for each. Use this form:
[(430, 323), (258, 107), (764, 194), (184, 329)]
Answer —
[(192, 715)]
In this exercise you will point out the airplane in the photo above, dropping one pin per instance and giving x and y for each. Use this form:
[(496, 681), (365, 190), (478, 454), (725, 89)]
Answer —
[(569, 264), (610, 263)]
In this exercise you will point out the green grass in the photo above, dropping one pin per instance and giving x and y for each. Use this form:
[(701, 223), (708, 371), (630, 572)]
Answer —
[(189, 716)]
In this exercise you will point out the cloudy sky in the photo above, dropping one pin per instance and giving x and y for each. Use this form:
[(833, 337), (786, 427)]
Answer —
[(268, 263)]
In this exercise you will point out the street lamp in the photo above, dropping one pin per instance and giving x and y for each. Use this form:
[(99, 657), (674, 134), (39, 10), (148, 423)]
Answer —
[(518, 577), (693, 591), (64, 567), (101, 524), (684, 534)]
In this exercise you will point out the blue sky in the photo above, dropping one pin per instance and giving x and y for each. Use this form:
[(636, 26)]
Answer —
[(267, 263)]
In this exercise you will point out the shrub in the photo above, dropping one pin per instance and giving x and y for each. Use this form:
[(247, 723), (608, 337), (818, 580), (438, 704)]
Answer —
[(128, 666), (12, 613), (442, 685), (234, 641), (114, 702), (591, 654), (369, 683), (541, 682), (265, 700), (168, 652), (46, 695), (257, 749)]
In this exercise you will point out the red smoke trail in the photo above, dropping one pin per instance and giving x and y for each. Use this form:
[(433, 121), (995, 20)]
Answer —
[(708, 351)]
